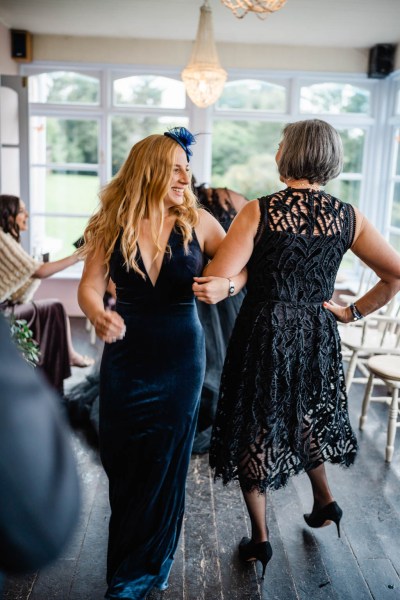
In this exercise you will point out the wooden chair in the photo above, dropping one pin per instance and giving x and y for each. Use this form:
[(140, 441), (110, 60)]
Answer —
[(367, 278), (376, 334), (384, 368)]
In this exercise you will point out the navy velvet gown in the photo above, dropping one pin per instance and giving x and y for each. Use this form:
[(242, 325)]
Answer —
[(150, 385)]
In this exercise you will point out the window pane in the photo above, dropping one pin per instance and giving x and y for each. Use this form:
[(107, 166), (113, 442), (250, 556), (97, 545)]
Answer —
[(395, 221), (71, 192), (398, 152), (251, 94), (64, 87), (334, 98), (56, 235), (394, 240), (55, 140), (126, 131), (146, 90), (347, 191), (353, 148), (397, 107), (243, 156)]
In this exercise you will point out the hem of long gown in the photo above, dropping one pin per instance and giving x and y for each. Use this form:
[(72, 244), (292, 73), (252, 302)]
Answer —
[(282, 479), (140, 587)]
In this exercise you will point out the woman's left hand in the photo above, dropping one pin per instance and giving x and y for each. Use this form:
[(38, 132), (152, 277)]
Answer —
[(210, 289)]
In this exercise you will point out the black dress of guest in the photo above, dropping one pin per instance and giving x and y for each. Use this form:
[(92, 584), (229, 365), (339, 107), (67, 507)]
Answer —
[(150, 385), (283, 405), (217, 321)]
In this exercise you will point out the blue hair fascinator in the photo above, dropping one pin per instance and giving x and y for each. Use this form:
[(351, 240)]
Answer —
[(183, 137)]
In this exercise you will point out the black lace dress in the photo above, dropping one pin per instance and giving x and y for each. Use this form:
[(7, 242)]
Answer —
[(283, 405)]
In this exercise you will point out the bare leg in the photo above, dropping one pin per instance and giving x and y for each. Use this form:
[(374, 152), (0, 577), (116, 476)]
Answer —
[(256, 505), (76, 359), (320, 487)]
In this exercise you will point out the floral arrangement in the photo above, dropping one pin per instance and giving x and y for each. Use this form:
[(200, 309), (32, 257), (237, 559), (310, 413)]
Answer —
[(23, 338)]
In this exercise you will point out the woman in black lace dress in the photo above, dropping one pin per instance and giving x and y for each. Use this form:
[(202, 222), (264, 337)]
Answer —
[(283, 407)]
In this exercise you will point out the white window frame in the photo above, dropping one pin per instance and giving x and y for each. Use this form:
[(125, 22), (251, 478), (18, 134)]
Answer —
[(377, 178)]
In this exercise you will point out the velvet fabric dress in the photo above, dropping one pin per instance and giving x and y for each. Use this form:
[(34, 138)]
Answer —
[(150, 385), (283, 404)]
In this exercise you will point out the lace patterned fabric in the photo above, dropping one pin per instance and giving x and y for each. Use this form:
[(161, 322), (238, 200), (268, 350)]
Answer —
[(283, 405)]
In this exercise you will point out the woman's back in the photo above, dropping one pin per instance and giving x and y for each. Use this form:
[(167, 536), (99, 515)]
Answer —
[(282, 406), (300, 242)]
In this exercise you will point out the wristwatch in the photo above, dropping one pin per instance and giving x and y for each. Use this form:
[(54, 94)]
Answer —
[(231, 290), (356, 313)]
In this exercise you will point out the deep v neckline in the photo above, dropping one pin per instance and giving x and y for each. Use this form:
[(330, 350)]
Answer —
[(148, 278)]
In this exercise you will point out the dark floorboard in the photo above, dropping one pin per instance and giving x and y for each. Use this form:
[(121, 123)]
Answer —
[(364, 564)]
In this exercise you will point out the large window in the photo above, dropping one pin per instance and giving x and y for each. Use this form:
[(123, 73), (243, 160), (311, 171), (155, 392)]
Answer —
[(332, 98), (393, 216), (78, 141), (85, 120)]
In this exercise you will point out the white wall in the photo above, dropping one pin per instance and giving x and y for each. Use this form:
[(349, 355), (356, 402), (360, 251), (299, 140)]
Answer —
[(61, 289), (169, 53)]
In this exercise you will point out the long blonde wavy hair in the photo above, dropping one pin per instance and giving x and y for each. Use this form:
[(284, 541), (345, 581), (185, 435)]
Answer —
[(136, 192)]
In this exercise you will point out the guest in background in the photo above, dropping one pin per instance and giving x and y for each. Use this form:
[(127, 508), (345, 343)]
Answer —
[(20, 276), (39, 505), (217, 319)]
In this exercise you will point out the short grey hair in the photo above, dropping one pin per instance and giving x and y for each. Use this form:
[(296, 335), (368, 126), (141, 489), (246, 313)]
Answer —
[(311, 150)]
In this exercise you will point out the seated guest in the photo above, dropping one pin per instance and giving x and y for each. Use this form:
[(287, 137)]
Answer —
[(20, 276), (40, 501)]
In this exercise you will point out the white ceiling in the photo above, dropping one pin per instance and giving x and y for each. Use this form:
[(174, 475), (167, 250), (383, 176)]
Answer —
[(336, 23)]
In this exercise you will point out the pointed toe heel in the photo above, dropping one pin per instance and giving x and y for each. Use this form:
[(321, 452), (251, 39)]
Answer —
[(249, 551), (331, 513)]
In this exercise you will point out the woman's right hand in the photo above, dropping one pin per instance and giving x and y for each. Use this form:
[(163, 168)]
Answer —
[(109, 326), (342, 313)]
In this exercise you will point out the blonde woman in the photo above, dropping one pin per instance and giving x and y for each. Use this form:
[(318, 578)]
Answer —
[(150, 237)]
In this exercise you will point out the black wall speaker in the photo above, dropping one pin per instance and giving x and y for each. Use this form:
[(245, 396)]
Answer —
[(381, 60), (21, 45)]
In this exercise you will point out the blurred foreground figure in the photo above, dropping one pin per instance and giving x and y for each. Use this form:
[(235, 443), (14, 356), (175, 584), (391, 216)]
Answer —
[(38, 479)]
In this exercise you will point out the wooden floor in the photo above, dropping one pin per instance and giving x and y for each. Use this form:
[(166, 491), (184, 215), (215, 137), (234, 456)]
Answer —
[(307, 564)]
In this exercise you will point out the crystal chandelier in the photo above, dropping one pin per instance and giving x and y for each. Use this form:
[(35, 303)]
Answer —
[(262, 8), (204, 77)]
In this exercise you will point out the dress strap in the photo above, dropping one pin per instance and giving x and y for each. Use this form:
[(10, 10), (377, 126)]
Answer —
[(352, 224), (263, 222)]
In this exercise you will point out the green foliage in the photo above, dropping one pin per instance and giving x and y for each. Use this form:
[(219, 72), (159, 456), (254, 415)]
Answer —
[(142, 93), (334, 98), (126, 131), (72, 141), (253, 95), (243, 157), (72, 88), (23, 338)]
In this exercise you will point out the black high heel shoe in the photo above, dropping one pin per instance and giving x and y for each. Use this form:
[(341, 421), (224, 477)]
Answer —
[(324, 516), (249, 551)]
